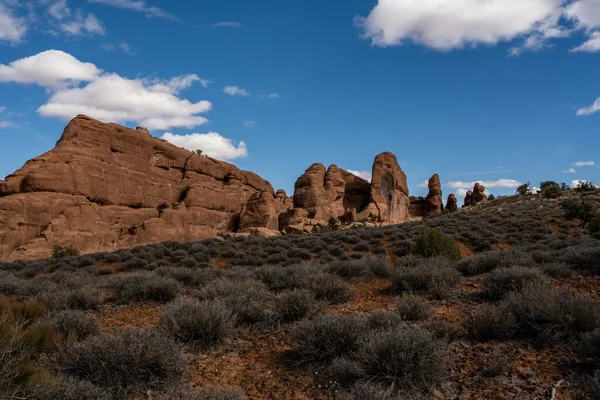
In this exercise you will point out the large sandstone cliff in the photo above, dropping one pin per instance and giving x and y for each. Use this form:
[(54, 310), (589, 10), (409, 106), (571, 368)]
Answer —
[(105, 187)]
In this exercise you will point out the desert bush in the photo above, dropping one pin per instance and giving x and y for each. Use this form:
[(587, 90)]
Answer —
[(584, 186), (435, 276), (294, 305), (64, 251), (589, 346), (585, 259), (501, 281), (79, 322), (134, 263), (104, 271), (552, 191), (82, 298), (487, 262), (556, 270), (189, 276), (443, 329), (69, 389), (250, 300), (216, 393), (348, 269), (552, 314), (584, 209), (326, 337), (329, 288), (140, 286), (127, 363), (490, 322), (407, 357), (203, 323), (414, 308), (594, 225), (383, 319), (435, 243)]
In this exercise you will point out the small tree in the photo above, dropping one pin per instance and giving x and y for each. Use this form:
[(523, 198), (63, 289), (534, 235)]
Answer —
[(435, 243), (524, 189), (584, 186), (564, 186), (491, 197), (332, 223), (60, 251), (550, 190), (547, 184), (199, 152)]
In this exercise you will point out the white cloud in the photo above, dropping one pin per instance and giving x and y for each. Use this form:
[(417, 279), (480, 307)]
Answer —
[(51, 68), (591, 46), (593, 109), (585, 12), (366, 175), (211, 144), (82, 25), (107, 96), (12, 29), (273, 96), (236, 91), (424, 184), (114, 98), (125, 47), (249, 124), (2, 109), (500, 183), (6, 124), (59, 10), (446, 25), (139, 6), (460, 194), (584, 164), (569, 171), (227, 25)]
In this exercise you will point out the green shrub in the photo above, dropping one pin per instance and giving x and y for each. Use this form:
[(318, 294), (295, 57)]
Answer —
[(66, 251), (127, 363), (326, 337), (434, 243), (329, 288), (594, 225), (552, 192)]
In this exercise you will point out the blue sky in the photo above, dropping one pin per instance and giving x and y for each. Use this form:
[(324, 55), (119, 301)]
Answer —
[(499, 91)]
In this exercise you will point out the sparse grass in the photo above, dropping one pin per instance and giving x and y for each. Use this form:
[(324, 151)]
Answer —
[(69, 389), (294, 305), (77, 322)]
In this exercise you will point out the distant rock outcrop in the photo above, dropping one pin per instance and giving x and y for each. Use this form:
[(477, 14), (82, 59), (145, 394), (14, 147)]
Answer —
[(433, 201), (389, 190), (105, 187), (477, 195), (452, 203)]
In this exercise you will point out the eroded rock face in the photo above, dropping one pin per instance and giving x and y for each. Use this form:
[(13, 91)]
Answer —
[(389, 191), (478, 194), (452, 203), (105, 187), (260, 211), (417, 207), (433, 201), (468, 199), (309, 189)]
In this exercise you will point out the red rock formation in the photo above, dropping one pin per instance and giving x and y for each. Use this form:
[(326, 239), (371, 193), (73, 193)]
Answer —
[(260, 211), (309, 190), (417, 207), (105, 187), (475, 196), (452, 203), (433, 201), (468, 199), (389, 191)]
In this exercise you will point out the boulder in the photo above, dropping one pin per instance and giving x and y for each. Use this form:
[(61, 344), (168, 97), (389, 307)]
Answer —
[(433, 201), (105, 187), (389, 190), (261, 232), (308, 189)]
